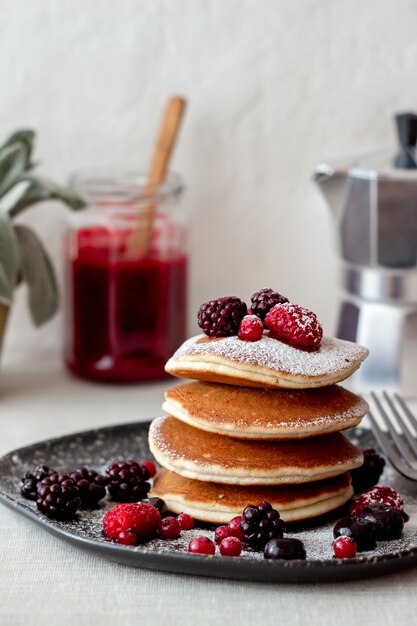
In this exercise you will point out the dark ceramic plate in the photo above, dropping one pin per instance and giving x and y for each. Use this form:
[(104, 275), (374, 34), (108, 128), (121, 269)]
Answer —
[(96, 448)]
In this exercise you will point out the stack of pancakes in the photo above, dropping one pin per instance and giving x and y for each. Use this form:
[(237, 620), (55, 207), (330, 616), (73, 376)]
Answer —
[(263, 422)]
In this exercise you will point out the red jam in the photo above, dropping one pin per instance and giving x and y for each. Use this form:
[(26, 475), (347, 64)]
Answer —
[(126, 314)]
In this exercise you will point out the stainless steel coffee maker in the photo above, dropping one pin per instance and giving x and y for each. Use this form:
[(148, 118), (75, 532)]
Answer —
[(374, 201)]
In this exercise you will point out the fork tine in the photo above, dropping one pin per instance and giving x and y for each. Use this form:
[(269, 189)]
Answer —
[(406, 410), (399, 442), (390, 451), (411, 440)]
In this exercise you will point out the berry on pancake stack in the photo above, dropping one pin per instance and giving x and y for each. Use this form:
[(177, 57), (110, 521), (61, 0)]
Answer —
[(263, 420)]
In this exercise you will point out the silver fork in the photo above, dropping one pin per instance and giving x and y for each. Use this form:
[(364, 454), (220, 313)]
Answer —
[(398, 442)]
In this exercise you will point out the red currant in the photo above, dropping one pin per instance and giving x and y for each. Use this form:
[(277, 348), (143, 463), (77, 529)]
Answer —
[(221, 533), (251, 328), (150, 466), (169, 528), (344, 547), (234, 526), (202, 545), (231, 546), (186, 521), (127, 538)]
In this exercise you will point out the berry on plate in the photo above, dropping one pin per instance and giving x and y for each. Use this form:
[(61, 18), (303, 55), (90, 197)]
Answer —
[(127, 538), (186, 521), (169, 528), (222, 532), (389, 522), (234, 526), (58, 496), (142, 519), (150, 466), (295, 325), (231, 546), (260, 524), (263, 301), (344, 547), (221, 317), (201, 545), (363, 532), (91, 484), (368, 474), (127, 481), (284, 548), (158, 503), (377, 495), (30, 481), (251, 328)]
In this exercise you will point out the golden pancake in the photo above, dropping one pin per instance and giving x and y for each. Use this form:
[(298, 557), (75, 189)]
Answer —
[(211, 502), (195, 453), (249, 413), (266, 363)]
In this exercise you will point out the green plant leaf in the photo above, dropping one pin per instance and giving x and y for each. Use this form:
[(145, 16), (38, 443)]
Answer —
[(25, 136), (40, 189), (12, 165), (37, 271), (9, 259)]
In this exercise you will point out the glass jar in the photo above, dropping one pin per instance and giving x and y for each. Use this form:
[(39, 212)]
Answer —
[(125, 305)]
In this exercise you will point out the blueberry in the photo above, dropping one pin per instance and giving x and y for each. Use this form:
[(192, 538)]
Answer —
[(158, 503), (362, 531), (284, 548), (389, 522)]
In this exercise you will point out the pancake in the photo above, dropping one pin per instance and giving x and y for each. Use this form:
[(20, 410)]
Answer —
[(267, 363), (211, 502), (249, 413), (197, 454)]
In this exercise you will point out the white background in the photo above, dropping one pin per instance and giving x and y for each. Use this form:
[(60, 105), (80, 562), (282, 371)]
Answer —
[(273, 88)]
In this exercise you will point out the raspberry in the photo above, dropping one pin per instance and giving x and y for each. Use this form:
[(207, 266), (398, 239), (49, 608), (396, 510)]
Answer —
[(186, 521), (344, 548), (231, 546), (260, 524), (127, 481), (30, 481), (127, 538), (169, 528), (295, 325), (251, 328), (141, 519), (221, 317), (58, 496), (201, 545), (377, 495), (263, 301), (369, 473), (150, 466), (234, 526), (92, 486), (222, 532)]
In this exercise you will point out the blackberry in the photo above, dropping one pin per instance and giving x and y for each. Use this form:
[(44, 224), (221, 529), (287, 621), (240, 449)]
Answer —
[(260, 524), (91, 484), (30, 481), (263, 301), (368, 474), (127, 481), (58, 496), (221, 317)]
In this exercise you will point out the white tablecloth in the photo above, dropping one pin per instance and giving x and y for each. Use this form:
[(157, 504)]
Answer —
[(44, 581)]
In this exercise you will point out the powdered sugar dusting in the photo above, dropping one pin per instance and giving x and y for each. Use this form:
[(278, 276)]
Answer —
[(334, 355)]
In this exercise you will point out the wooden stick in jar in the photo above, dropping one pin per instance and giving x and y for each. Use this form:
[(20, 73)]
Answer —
[(138, 243)]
